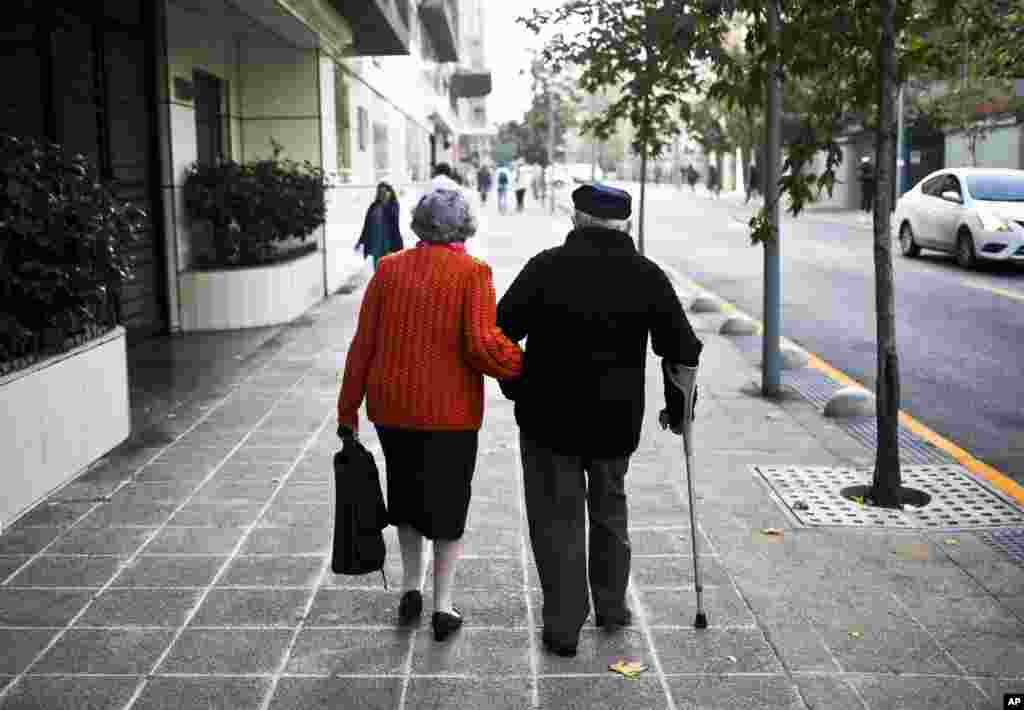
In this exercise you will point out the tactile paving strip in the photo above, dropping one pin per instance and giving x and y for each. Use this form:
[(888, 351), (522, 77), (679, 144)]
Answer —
[(812, 495), (1009, 540)]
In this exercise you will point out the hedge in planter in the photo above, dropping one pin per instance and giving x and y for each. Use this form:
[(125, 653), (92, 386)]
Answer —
[(251, 206), (62, 250)]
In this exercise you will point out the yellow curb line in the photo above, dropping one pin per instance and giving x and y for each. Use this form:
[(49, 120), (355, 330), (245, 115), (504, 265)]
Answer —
[(993, 475)]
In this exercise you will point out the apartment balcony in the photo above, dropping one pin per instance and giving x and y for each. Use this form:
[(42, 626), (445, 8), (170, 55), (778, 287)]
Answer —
[(441, 20), (379, 27), (471, 84)]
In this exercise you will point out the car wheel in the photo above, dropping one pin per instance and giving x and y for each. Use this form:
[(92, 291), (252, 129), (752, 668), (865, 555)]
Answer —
[(908, 247), (965, 250)]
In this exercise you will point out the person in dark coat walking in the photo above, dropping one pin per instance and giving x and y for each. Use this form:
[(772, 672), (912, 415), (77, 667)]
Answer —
[(753, 181), (381, 235), (587, 308), (866, 176)]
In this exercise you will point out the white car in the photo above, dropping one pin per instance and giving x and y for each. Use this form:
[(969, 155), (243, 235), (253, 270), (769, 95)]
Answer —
[(974, 213)]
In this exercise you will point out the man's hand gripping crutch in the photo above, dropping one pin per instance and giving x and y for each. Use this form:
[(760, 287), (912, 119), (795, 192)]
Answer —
[(678, 416)]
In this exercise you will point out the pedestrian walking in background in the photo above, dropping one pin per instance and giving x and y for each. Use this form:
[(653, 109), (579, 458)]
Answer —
[(753, 181), (520, 189), (866, 176), (503, 184), (483, 183), (426, 336), (586, 308), (381, 234), (443, 178), (714, 186), (691, 177)]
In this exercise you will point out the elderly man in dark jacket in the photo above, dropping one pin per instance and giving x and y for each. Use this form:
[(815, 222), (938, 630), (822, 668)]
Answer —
[(587, 308)]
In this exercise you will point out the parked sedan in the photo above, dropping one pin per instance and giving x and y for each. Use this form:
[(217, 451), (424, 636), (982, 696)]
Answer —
[(974, 213)]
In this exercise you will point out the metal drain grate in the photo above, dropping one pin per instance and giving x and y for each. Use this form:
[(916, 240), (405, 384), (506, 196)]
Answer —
[(1009, 540), (812, 495)]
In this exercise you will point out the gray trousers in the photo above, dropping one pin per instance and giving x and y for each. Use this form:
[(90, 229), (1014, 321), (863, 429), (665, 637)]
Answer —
[(560, 492)]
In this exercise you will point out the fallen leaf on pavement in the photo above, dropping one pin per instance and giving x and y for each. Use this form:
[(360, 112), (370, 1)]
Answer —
[(772, 531), (855, 634), (858, 499), (951, 541), (732, 658), (630, 669)]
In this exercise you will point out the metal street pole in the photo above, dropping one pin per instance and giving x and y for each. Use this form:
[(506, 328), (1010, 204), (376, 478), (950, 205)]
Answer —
[(771, 357), (551, 148), (900, 146)]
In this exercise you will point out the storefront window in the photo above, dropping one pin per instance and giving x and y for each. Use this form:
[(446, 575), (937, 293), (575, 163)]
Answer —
[(343, 124), (381, 164)]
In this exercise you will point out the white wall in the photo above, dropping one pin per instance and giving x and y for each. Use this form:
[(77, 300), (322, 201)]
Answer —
[(1001, 149)]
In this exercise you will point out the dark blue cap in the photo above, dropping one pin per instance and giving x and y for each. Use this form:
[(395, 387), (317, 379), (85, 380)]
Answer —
[(602, 201)]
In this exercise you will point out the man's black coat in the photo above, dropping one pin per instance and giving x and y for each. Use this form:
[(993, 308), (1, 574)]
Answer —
[(586, 308)]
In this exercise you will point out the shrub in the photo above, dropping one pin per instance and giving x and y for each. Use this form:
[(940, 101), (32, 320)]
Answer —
[(251, 206), (62, 250)]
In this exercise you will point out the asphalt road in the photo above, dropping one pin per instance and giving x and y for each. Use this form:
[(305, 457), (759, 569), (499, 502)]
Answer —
[(960, 335)]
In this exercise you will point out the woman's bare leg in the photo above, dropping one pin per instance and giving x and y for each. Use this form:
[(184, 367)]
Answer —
[(446, 559), (411, 543)]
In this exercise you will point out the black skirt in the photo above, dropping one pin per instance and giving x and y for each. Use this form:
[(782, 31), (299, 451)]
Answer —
[(429, 475)]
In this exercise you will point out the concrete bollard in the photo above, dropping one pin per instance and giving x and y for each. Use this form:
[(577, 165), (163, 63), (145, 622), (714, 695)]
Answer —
[(703, 304), (851, 402), (738, 325)]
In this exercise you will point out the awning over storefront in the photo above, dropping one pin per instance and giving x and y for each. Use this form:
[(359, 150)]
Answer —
[(471, 85), (321, 17)]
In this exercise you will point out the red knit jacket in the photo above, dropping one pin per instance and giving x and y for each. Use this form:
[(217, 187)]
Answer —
[(425, 338)]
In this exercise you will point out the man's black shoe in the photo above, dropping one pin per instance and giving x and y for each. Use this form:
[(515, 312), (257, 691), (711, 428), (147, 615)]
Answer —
[(446, 624), (624, 618), (410, 607), (558, 648)]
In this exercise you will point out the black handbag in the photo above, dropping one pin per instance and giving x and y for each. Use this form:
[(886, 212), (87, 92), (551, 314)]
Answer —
[(359, 513)]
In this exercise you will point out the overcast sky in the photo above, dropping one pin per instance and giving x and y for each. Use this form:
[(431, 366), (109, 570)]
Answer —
[(508, 47)]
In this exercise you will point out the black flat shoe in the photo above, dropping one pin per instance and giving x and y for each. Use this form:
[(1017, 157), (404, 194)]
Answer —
[(565, 650), (446, 624), (624, 618), (410, 607)]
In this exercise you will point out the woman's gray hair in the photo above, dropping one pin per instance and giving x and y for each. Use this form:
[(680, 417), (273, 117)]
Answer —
[(443, 216), (581, 220)]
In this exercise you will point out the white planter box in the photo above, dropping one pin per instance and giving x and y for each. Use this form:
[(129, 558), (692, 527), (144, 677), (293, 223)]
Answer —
[(57, 417), (246, 298)]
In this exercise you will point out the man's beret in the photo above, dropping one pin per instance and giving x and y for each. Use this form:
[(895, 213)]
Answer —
[(602, 201)]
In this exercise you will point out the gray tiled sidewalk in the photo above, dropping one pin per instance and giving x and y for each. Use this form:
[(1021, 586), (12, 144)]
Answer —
[(194, 573)]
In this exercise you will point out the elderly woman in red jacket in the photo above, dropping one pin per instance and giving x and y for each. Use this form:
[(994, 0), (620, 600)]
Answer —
[(426, 337)]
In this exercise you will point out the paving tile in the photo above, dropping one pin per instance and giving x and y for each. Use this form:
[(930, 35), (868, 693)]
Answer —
[(670, 541), (228, 491), (195, 540), (278, 458), (607, 691), (727, 693), (9, 564), (888, 646), (179, 472), (458, 693), (47, 515), (163, 693), (356, 607), (672, 607), (105, 651), (91, 541), (503, 607), (596, 650), (40, 607), (392, 569), (822, 692), (169, 571), (238, 470), (27, 540), (252, 607), (294, 540), (801, 647), (140, 607), (129, 514), (227, 651), (349, 651), (306, 493), (986, 652), (217, 514), (714, 651), (48, 571), (502, 541), (58, 693), (505, 573), (488, 652), (677, 571), (883, 691), (272, 571), (334, 693), (299, 514), (187, 456), (18, 647)]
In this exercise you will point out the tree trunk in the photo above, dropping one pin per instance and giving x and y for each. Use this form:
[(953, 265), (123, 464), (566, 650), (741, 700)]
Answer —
[(643, 185), (885, 486)]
